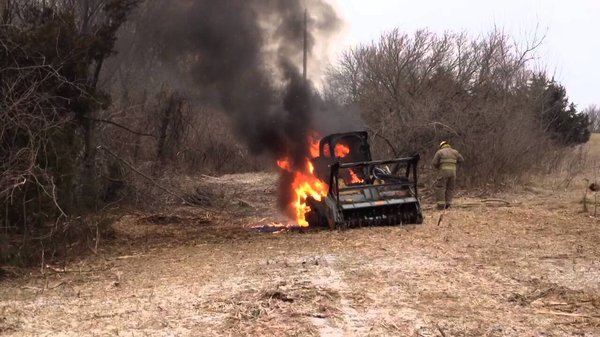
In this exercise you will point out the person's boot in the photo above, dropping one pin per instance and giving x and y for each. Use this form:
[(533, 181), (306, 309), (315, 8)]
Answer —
[(448, 206), (441, 207)]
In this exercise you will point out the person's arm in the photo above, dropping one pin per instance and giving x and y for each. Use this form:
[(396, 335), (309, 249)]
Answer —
[(436, 160)]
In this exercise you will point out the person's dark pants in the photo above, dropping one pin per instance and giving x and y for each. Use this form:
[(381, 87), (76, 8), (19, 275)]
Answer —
[(444, 187)]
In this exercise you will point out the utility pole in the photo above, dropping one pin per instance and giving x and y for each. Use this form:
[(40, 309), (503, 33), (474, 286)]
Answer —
[(305, 63)]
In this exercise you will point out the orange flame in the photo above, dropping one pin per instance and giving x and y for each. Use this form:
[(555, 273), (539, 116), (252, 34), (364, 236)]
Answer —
[(355, 178), (284, 164), (314, 147), (341, 150), (305, 184)]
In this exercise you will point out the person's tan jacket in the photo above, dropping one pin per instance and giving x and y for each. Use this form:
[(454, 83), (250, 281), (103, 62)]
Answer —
[(446, 159)]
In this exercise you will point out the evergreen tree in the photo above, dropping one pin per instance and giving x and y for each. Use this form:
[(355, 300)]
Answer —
[(557, 115)]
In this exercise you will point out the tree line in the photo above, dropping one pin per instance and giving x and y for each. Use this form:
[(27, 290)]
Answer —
[(484, 95)]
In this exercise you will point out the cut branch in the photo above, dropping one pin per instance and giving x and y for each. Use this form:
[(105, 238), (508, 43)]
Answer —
[(144, 175), (123, 127)]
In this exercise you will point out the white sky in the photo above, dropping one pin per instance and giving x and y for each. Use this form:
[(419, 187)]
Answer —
[(571, 48)]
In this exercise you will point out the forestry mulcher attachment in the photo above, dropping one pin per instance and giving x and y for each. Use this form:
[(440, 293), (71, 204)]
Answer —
[(363, 192)]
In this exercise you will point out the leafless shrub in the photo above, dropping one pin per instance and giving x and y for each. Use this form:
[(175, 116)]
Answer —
[(178, 132), (165, 136), (32, 132), (51, 54), (415, 91), (593, 112)]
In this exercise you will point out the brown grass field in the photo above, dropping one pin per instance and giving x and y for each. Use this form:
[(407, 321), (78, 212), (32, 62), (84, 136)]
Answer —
[(528, 268)]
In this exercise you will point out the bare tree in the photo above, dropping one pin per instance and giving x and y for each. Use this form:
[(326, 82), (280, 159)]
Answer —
[(416, 90), (593, 112), (49, 70)]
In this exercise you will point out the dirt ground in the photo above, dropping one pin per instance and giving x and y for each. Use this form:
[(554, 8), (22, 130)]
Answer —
[(528, 268)]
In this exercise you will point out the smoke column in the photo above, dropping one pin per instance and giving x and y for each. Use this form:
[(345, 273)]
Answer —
[(244, 56)]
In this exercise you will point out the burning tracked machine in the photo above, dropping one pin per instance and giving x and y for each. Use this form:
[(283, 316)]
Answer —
[(360, 191)]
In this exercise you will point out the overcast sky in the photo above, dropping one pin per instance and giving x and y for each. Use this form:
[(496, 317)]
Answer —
[(571, 48)]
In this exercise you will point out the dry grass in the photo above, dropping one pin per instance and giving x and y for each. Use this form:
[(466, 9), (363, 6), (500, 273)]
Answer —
[(527, 270)]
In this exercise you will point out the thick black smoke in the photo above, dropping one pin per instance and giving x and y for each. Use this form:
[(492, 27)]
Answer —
[(245, 56)]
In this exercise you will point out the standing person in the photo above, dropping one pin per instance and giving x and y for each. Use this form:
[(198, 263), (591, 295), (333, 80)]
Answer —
[(445, 161)]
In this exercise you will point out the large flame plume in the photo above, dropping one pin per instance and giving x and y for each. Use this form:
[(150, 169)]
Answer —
[(305, 184)]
